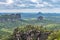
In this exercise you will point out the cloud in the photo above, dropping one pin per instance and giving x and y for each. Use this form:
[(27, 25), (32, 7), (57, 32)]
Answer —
[(34, 0), (7, 2), (55, 1), (44, 5), (40, 5), (21, 5), (47, 4), (2, 3), (30, 4)]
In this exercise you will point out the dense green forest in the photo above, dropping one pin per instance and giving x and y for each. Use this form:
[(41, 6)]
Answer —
[(14, 28), (30, 32)]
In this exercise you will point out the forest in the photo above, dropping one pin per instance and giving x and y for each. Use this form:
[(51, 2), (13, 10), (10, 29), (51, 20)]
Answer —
[(30, 26)]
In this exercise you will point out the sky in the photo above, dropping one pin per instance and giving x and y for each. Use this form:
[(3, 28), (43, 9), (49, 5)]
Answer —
[(30, 6)]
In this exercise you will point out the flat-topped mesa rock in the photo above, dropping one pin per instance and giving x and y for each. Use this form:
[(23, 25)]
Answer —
[(10, 17), (30, 35)]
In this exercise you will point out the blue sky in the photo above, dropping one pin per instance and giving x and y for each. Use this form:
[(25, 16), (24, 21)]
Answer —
[(40, 5)]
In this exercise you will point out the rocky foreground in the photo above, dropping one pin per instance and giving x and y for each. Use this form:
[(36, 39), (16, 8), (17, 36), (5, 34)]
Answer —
[(30, 34)]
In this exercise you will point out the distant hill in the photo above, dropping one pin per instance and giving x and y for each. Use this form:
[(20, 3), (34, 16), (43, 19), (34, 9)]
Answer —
[(50, 16)]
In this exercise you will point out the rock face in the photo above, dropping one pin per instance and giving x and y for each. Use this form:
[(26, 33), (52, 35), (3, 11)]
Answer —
[(10, 17), (30, 35), (40, 18)]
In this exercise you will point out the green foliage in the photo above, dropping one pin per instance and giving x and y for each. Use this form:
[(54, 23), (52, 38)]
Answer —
[(7, 27), (54, 36), (26, 29)]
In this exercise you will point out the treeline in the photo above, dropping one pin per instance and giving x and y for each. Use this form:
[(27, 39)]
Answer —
[(30, 32)]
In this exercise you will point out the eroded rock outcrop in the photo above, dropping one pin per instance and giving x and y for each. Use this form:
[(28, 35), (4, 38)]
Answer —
[(30, 35)]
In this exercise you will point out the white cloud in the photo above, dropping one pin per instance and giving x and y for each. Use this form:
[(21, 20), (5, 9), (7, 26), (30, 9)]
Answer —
[(2, 3), (45, 3), (55, 10), (40, 5), (9, 1), (28, 3), (21, 5), (34, 0)]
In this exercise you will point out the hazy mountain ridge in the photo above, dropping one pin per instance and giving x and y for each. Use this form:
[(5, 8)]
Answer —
[(34, 14)]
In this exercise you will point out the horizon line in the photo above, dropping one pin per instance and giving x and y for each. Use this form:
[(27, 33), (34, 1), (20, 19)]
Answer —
[(30, 10)]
